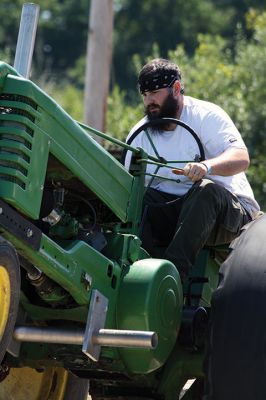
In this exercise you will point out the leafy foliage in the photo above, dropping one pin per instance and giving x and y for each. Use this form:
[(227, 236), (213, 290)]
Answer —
[(236, 81), (121, 116), (172, 22), (69, 98), (61, 36)]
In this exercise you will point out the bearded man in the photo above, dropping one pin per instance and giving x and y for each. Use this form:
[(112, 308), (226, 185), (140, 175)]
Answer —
[(212, 200)]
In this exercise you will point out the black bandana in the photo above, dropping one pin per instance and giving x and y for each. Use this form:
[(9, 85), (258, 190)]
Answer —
[(157, 80)]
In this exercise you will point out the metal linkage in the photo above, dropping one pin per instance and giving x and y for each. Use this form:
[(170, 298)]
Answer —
[(16, 224), (48, 335), (105, 337), (94, 336), (126, 338)]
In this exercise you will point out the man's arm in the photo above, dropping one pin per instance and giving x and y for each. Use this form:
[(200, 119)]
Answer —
[(230, 162)]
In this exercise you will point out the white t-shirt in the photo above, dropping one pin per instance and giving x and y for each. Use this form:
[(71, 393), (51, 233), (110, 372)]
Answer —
[(217, 134)]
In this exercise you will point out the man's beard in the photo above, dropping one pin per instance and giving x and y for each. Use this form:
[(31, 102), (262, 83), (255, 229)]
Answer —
[(168, 109)]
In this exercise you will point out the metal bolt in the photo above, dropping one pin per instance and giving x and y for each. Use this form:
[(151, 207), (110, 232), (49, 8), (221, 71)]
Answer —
[(29, 233), (88, 280), (87, 277)]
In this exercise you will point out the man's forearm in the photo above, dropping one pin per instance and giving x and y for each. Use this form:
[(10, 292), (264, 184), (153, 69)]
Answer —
[(231, 162)]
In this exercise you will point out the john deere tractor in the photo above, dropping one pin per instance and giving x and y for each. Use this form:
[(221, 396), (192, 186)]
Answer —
[(81, 301), (83, 307)]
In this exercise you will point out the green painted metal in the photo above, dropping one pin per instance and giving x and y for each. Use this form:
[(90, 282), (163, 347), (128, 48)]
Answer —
[(150, 298), (53, 131), (41, 313), (180, 366), (22, 146), (68, 267)]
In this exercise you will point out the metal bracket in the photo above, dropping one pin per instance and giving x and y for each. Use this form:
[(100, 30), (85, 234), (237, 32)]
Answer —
[(95, 322), (19, 226)]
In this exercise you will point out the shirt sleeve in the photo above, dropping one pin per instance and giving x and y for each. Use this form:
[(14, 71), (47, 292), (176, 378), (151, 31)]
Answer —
[(219, 133)]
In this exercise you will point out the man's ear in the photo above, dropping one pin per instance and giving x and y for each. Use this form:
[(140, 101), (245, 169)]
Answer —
[(176, 88)]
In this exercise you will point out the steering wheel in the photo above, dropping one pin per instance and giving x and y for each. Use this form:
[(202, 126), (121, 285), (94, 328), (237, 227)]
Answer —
[(163, 121)]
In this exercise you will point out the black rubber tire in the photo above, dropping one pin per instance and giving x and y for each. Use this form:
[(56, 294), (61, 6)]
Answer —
[(10, 263), (76, 388), (235, 363), (197, 389)]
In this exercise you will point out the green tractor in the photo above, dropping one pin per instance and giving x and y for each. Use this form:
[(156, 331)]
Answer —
[(81, 301), (83, 307)]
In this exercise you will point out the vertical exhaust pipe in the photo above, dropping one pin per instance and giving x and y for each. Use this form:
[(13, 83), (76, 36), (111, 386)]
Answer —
[(26, 38)]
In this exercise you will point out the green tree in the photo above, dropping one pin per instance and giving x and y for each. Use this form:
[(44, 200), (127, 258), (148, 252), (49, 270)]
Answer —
[(121, 117), (236, 81), (62, 32), (250, 65), (61, 35), (140, 24)]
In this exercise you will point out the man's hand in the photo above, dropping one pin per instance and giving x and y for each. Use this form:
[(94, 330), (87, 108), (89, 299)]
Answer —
[(195, 171), (230, 162)]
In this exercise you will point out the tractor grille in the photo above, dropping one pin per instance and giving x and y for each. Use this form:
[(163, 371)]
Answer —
[(17, 115)]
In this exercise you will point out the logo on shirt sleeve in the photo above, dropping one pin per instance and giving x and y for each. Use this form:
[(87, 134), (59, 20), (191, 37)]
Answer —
[(232, 139)]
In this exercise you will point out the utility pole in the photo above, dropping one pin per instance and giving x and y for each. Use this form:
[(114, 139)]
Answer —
[(99, 54)]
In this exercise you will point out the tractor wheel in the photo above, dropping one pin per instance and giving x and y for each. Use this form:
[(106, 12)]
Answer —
[(51, 384), (236, 353), (9, 293)]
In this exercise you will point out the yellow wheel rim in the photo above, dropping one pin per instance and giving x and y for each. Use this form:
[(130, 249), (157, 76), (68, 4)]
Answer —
[(28, 384), (5, 293)]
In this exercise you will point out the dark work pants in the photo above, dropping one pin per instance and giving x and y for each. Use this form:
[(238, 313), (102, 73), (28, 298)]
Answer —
[(207, 214)]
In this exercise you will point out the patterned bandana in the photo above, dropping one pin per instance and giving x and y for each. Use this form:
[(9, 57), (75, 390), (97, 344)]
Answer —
[(157, 80)]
